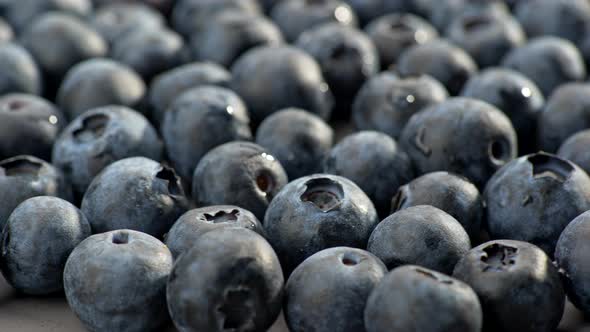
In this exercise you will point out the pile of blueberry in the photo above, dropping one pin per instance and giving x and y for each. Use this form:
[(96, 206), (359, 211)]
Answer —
[(358, 165)]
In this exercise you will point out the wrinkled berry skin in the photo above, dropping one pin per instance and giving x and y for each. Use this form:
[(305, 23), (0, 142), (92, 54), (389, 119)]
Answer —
[(575, 149), (99, 82), (440, 59), (167, 86), (571, 255), (413, 298), (515, 95), (238, 173), (236, 286), (23, 177), (317, 212), (200, 119), (567, 111), (28, 125), (297, 16), (374, 162), (115, 20), (393, 33), (99, 137), (345, 276), (193, 224), (421, 235), (116, 281), (38, 237), (517, 284), (22, 13), (346, 56), (547, 61), (18, 71), (231, 34), (298, 139), (134, 193), (386, 102), (435, 139), (534, 197), (301, 85)]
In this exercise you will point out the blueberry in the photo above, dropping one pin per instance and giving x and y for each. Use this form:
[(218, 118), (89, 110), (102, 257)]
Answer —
[(567, 111), (346, 56), (58, 41), (164, 7), (461, 135), (22, 13), (238, 173), (449, 192), (193, 224), (134, 193), (570, 256), (449, 64), (199, 120), (100, 137), (575, 150), (18, 71), (37, 239), (393, 33), (273, 78), (534, 197), (23, 177), (298, 139), (28, 125), (547, 61), (231, 34), (317, 212), (167, 86), (369, 10), (99, 82), (230, 280), (115, 20), (514, 94), (442, 13), (116, 281), (562, 18), (412, 298), (6, 33), (374, 162), (518, 286), (485, 36), (188, 16), (387, 101), (345, 277), (296, 16)]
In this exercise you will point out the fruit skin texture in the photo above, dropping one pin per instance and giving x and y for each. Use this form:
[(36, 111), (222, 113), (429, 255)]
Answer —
[(116, 19), (99, 82), (99, 137), (271, 78), (39, 236), (567, 111), (194, 223), (134, 193), (116, 281), (420, 235), (547, 61), (449, 192), (199, 120), (515, 282), (435, 139), (345, 277), (18, 71), (23, 177), (317, 212), (534, 197), (374, 162), (571, 255), (298, 139), (413, 298), (238, 173), (575, 150), (28, 125), (22, 13), (386, 102), (230, 280)]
